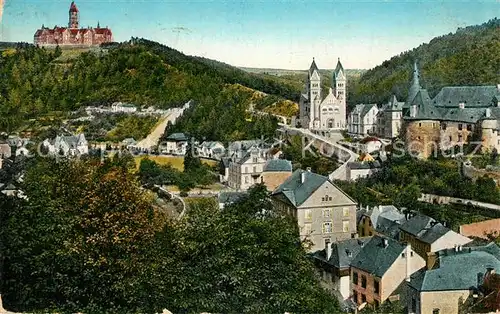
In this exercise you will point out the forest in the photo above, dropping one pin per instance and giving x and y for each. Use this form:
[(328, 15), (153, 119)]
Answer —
[(470, 56)]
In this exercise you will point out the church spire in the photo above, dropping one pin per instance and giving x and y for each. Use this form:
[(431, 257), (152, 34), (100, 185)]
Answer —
[(415, 83)]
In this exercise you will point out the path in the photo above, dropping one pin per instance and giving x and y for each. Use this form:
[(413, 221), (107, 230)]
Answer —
[(154, 137), (431, 198)]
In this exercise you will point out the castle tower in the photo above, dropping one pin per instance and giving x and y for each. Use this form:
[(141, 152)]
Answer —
[(339, 83), (415, 84), (74, 19)]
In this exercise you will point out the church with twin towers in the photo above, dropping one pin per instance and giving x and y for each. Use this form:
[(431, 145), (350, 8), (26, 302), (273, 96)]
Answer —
[(328, 113)]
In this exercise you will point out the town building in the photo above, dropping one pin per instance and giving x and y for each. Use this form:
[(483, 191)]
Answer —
[(334, 263), (247, 171), (381, 269), (361, 169), (214, 150), (327, 113), (227, 198), (382, 220), (428, 235), (362, 120), (119, 107), (390, 119), (175, 144), (324, 213), (452, 277), (67, 145), (456, 116), (73, 35), (275, 172)]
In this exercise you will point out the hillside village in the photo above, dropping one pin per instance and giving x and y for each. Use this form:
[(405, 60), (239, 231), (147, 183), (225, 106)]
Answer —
[(139, 179)]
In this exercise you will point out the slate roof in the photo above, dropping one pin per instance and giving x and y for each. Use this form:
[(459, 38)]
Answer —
[(296, 192), (225, 161), (339, 69), (363, 109), (425, 228), (469, 115), (394, 104), (425, 109), (278, 165), (244, 145), (386, 219), (343, 252), (363, 165), (178, 137), (230, 197), (457, 270), (313, 67), (376, 259), (414, 85), (472, 96)]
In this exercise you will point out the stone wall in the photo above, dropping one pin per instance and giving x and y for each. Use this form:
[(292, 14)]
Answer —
[(422, 137), (453, 135)]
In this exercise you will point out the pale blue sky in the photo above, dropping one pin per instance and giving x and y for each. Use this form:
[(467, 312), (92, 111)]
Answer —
[(272, 33)]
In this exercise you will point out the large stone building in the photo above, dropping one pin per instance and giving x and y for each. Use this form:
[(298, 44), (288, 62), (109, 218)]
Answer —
[(455, 116), (324, 213), (327, 113), (73, 34)]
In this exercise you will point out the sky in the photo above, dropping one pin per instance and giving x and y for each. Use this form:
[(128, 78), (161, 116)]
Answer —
[(263, 33)]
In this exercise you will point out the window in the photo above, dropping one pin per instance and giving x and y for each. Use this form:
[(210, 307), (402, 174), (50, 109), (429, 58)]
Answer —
[(420, 124), (346, 212), (345, 226), (324, 198), (246, 179), (246, 169), (403, 255), (363, 281), (411, 254), (376, 286), (329, 198), (469, 127), (363, 298), (355, 296), (307, 214), (326, 213), (460, 138), (354, 277), (450, 138), (435, 311), (460, 126), (255, 160), (327, 227), (307, 229)]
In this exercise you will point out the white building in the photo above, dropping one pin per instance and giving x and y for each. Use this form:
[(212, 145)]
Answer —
[(67, 145), (175, 144), (213, 150), (362, 120), (327, 113), (121, 107), (390, 119), (247, 171), (5, 153)]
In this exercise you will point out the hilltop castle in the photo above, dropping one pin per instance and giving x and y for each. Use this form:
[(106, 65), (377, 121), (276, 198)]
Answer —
[(73, 34), (328, 113)]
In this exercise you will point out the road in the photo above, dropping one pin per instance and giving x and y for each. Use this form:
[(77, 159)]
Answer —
[(154, 137), (432, 198)]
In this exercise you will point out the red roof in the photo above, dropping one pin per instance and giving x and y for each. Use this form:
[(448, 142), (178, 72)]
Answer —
[(103, 31), (73, 7)]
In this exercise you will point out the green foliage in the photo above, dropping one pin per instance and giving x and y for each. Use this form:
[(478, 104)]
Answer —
[(88, 239), (136, 127), (468, 57), (386, 308)]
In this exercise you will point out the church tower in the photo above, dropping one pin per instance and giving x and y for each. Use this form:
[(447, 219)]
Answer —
[(313, 91), (339, 83), (74, 19)]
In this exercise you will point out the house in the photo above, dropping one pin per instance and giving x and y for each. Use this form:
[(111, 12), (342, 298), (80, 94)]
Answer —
[(275, 172), (326, 113), (129, 142), (238, 149), (213, 150), (334, 263), (10, 190), (226, 198), (382, 220), (324, 212), (390, 119), (175, 144), (451, 277), (67, 145), (427, 235), (118, 107), (361, 169), (380, 270), (362, 120), (245, 172), (5, 153)]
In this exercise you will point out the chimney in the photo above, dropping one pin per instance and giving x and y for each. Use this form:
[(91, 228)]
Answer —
[(498, 87), (456, 248), (488, 112), (328, 251), (385, 242), (461, 105), (413, 111), (302, 177), (308, 169), (408, 268), (432, 260)]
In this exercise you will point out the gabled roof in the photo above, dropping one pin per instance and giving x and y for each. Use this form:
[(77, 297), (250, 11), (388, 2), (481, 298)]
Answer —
[(339, 71), (313, 67), (426, 229), (425, 109), (394, 104), (297, 192), (178, 137), (231, 197), (343, 252), (278, 165), (469, 115), (375, 258), (458, 270), (472, 96)]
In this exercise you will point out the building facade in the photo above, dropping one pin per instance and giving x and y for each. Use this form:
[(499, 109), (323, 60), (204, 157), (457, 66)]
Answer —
[(67, 145), (73, 34), (362, 120), (247, 171), (456, 116), (327, 113), (390, 119), (324, 213)]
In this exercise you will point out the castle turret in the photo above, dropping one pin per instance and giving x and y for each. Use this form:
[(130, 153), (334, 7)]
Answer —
[(74, 19), (415, 84)]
